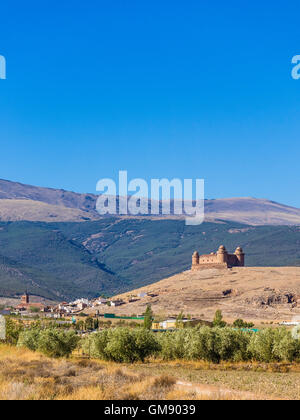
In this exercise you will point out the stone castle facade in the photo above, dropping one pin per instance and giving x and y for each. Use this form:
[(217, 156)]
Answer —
[(219, 259)]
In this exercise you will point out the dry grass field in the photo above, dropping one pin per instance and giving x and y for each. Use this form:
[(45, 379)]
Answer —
[(25, 375), (259, 294)]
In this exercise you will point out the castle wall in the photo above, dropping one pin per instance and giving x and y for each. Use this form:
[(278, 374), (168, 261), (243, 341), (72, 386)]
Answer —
[(241, 259), (208, 259), (232, 260), (220, 259)]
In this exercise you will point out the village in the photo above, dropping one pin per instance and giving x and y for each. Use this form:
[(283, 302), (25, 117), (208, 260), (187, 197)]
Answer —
[(194, 295), (71, 312), (74, 312)]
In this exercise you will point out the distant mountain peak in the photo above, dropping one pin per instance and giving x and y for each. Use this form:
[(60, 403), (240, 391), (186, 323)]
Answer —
[(27, 202)]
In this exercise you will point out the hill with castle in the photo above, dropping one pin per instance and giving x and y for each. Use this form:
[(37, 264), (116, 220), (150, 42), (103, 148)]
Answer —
[(221, 282), (55, 245)]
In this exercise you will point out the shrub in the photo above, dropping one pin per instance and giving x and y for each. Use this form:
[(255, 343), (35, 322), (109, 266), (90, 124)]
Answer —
[(29, 339), (56, 343), (204, 345), (232, 345), (173, 344), (95, 345), (286, 348), (145, 343), (239, 323), (274, 345)]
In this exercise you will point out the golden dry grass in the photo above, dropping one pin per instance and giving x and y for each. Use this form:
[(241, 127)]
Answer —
[(25, 375)]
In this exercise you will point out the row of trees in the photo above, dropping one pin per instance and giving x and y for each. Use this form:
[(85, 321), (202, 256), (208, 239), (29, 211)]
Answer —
[(52, 342), (204, 343), (129, 345), (124, 344)]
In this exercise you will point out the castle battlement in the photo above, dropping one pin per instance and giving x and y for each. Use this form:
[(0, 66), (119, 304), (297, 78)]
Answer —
[(221, 259)]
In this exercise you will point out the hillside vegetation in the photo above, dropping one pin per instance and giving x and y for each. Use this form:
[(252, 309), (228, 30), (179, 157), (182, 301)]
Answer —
[(66, 260), (39, 258)]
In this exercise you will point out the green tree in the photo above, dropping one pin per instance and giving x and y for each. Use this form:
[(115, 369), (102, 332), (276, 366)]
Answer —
[(148, 318), (239, 323), (123, 345), (30, 339), (274, 345), (56, 343), (179, 320), (218, 320), (13, 331), (95, 345), (89, 323)]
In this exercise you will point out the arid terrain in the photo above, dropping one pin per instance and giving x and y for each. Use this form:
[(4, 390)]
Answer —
[(25, 375), (252, 293)]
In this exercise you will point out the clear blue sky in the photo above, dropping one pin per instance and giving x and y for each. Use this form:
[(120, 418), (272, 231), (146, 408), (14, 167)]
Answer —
[(167, 88)]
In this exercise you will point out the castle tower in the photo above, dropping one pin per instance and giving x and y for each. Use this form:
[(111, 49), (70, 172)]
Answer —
[(195, 259), (240, 256), (222, 255)]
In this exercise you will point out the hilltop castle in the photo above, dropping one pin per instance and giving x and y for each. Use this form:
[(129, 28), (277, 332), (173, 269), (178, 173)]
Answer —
[(219, 259)]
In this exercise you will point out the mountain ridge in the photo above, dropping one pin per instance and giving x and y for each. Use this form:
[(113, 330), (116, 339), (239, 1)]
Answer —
[(66, 260), (20, 201)]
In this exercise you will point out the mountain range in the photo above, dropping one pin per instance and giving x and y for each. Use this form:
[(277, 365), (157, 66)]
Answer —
[(25, 202), (54, 244)]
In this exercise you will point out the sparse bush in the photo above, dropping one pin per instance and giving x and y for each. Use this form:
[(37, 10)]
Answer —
[(164, 382)]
